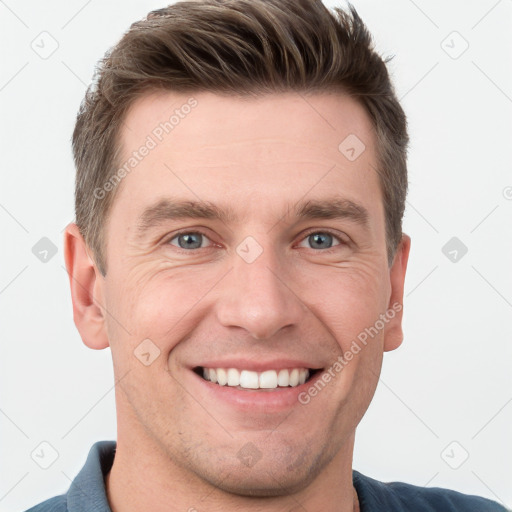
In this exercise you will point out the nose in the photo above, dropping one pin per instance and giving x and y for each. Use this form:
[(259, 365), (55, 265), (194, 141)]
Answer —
[(259, 297)]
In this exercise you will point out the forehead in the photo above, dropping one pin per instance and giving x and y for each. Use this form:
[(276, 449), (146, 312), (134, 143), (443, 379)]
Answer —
[(183, 121), (273, 150)]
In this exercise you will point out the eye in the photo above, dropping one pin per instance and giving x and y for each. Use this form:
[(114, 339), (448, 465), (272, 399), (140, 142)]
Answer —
[(318, 240), (322, 240), (189, 240)]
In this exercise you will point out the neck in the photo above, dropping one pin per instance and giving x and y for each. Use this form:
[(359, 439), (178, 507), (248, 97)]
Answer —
[(143, 477)]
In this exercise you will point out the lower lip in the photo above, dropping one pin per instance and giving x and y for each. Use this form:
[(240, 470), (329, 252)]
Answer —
[(255, 400)]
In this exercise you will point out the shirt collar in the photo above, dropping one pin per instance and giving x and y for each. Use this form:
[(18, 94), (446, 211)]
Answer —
[(87, 491)]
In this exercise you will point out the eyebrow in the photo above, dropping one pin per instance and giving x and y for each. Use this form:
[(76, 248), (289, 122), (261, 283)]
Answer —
[(169, 209)]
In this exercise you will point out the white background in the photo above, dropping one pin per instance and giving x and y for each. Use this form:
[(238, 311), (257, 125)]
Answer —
[(449, 381)]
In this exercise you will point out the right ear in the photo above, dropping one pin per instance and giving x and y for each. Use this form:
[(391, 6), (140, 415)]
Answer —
[(86, 284)]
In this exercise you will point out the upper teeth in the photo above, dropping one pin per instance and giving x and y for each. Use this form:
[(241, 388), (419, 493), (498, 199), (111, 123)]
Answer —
[(268, 379)]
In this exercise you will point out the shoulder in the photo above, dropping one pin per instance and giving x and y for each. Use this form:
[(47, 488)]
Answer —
[(437, 498), (55, 504), (398, 496)]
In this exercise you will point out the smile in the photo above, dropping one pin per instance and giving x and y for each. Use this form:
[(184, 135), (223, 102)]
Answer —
[(248, 379)]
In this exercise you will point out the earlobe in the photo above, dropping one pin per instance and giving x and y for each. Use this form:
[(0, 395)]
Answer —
[(86, 290), (393, 335)]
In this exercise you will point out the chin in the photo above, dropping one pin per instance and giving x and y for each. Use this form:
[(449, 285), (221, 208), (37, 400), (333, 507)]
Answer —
[(268, 477), (264, 483)]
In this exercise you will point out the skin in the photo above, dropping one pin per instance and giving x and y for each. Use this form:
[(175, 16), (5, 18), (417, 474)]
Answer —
[(177, 450)]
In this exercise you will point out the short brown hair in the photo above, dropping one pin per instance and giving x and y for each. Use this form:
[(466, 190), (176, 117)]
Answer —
[(236, 47)]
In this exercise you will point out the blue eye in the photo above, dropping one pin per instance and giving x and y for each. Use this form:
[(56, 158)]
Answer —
[(317, 240), (321, 240), (189, 240)]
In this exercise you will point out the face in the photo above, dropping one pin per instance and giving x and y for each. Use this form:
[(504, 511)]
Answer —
[(275, 273)]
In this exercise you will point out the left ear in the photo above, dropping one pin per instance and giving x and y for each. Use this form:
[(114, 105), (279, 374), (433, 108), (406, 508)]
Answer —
[(393, 334)]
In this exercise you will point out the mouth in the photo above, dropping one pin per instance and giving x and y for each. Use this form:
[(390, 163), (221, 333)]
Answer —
[(248, 380)]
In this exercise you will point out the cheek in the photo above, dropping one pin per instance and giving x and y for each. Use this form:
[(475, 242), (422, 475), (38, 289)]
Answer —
[(158, 304), (351, 301)]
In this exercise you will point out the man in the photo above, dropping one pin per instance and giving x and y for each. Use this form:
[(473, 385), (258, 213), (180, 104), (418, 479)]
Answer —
[(241, 181)]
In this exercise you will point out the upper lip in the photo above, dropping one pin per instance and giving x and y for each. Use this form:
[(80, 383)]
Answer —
[(258, 366)]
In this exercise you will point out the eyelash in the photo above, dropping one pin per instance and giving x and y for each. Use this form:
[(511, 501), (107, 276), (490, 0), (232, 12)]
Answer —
[(306, 235)]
